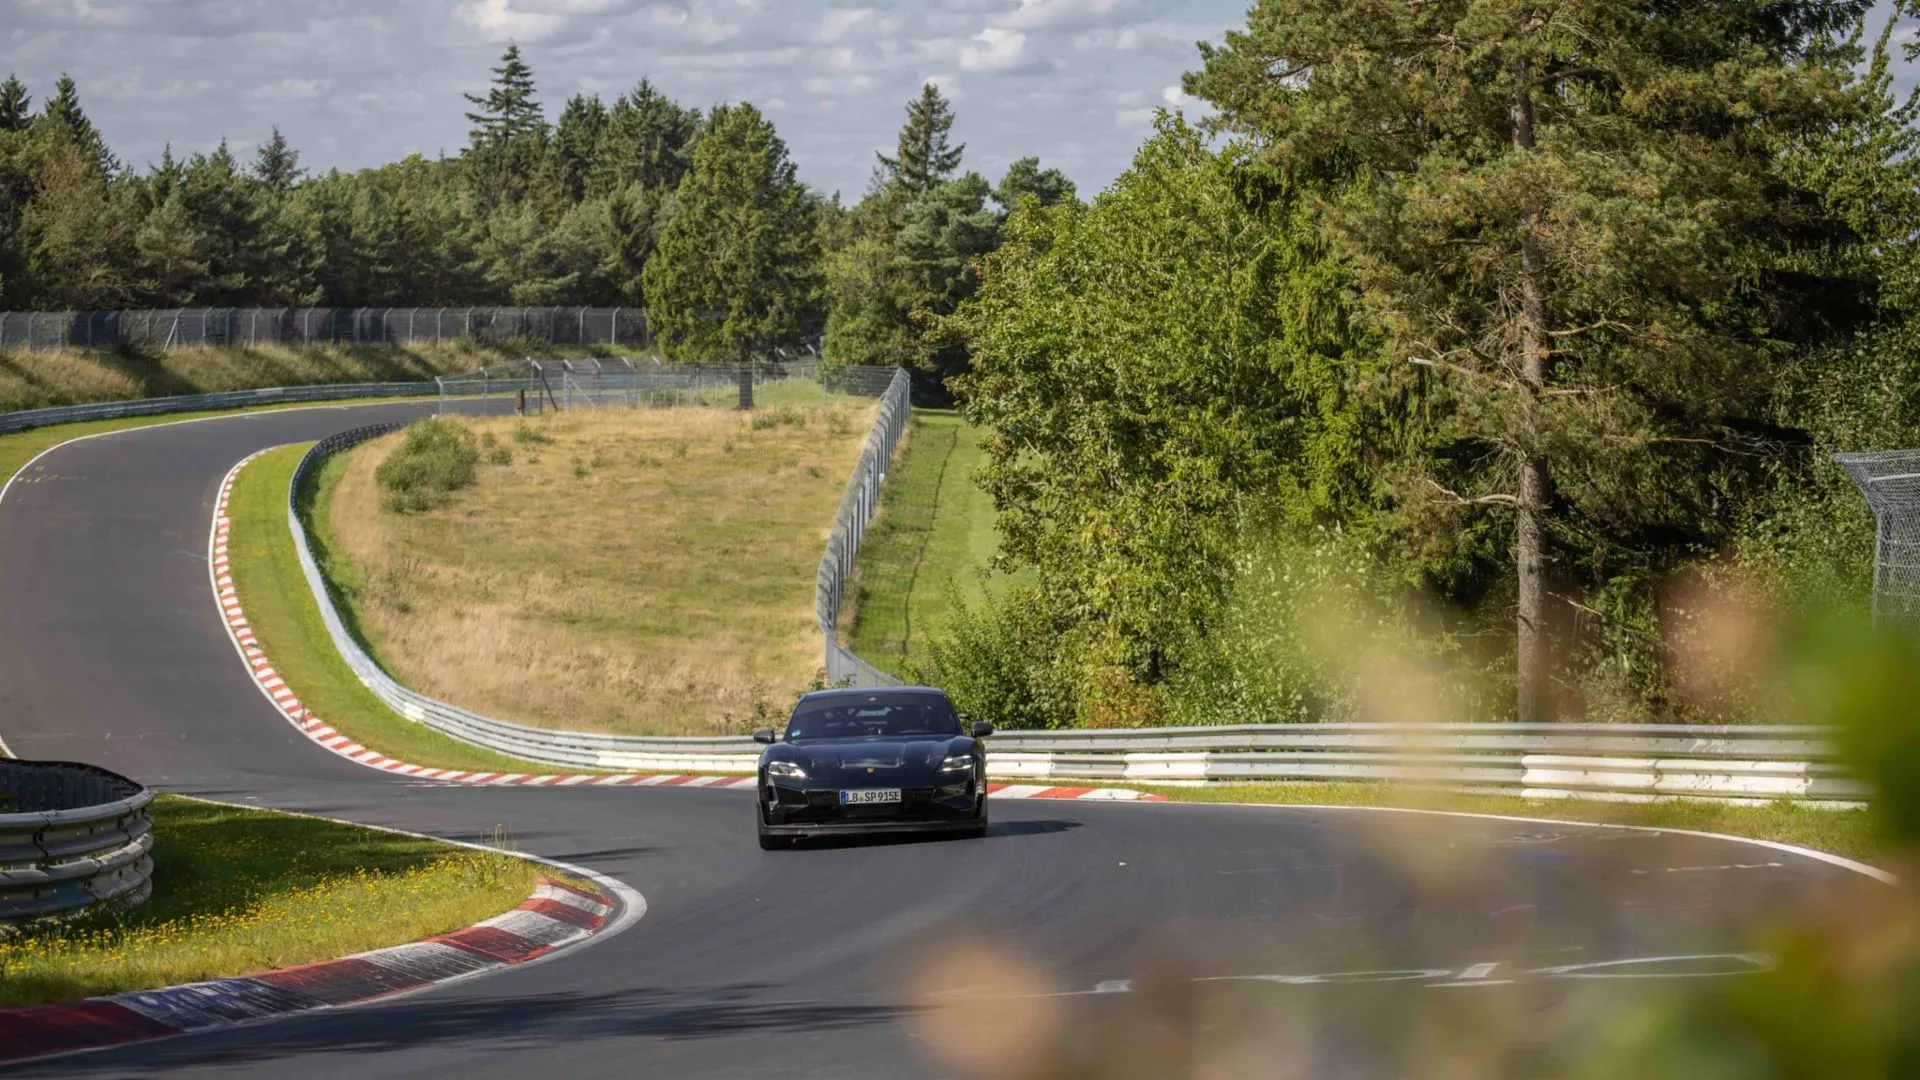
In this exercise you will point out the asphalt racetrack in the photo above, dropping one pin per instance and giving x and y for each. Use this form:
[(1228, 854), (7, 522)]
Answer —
[(1259, 941)]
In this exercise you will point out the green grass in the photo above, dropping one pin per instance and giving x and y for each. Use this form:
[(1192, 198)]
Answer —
[(1856, 834), (238, 890), (286, 619), (933, 538)]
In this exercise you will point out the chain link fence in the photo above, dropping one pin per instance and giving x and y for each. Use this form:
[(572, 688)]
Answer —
[(186, 327), (849, 526), (537, 386), (1890, 479)]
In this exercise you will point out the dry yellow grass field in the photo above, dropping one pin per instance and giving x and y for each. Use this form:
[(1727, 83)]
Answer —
[(646, 571)]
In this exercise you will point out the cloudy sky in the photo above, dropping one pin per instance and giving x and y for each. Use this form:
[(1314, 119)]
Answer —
[(360, 82)]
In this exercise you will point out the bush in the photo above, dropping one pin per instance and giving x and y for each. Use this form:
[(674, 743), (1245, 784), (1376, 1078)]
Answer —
[(784, 416), (1001, 661), (437, 458)]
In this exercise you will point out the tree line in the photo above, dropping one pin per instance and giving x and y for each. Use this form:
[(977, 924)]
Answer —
[(698, 216), (1502, 343)]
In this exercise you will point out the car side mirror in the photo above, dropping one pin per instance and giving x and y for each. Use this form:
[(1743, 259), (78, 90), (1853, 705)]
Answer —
[(764, 735), (982, 729)]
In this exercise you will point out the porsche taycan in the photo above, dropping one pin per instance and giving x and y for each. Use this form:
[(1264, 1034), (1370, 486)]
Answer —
[(862, 761)]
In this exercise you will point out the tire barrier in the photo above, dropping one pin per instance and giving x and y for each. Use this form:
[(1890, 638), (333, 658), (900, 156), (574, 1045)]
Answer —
[(71, 836)]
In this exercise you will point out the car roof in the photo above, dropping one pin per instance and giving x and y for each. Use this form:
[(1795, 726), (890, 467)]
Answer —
[(869, 691)]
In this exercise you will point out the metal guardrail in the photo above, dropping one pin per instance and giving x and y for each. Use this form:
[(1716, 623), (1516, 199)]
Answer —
[(70, 836), (1621, 761), (232, 399), (1633, 761)]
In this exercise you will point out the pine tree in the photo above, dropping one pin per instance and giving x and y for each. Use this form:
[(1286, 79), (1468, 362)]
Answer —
[(648, 141), (1026, 178), (737, 270), (924, 159), (277, 165), (508, 141), (1568, 216), (16, 105), (576, 140), (63, 115), (509, 110)]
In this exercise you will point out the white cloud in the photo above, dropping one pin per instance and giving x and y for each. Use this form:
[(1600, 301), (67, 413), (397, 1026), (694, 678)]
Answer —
[(355, 83), (997, 49), (292, 89), (948, 84), (837, 21), (1068, 14), (838, 84)]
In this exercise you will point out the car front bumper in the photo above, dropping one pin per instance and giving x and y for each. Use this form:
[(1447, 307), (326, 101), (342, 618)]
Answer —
[(793, 811)]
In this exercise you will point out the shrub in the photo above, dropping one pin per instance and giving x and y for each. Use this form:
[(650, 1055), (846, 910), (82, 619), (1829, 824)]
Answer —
[(527, 435), (1001, 661), (436, 458), (784, 416)]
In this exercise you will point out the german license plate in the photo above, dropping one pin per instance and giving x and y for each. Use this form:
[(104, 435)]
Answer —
[(870, 796)]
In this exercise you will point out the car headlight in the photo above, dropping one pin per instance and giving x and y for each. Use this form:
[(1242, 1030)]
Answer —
[(957, 762), (786, 768)]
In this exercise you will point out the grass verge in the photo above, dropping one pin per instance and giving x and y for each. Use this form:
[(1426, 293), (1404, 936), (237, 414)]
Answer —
[(1855, 834), (286, 619), (238, 890), (932, 540), (643, 571)]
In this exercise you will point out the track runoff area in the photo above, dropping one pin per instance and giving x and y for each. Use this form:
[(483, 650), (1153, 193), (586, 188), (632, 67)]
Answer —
[(1327, 941)]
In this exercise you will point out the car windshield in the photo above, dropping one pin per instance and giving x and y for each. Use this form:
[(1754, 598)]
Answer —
[(875, 717)]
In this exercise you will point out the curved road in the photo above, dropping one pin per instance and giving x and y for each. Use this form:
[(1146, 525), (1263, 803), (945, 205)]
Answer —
[(810, 963)]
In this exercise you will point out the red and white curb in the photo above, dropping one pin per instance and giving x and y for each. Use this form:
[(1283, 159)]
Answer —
[(220, 569), (556, 915)]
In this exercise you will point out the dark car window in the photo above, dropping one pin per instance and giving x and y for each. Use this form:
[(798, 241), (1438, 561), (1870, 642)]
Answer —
[(879, 716)]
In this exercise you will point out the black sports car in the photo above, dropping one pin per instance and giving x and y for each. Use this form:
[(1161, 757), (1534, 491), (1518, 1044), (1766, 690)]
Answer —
[(858, 761)]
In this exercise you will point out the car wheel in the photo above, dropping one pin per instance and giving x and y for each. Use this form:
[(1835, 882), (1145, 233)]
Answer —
[(980, 826)]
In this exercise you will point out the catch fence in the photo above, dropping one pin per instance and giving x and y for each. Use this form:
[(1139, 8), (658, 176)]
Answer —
[(1890, 480), (537, 386), (623, 327), (857, 507)]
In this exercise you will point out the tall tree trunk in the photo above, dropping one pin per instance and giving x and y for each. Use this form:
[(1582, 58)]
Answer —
[(1536, 483)]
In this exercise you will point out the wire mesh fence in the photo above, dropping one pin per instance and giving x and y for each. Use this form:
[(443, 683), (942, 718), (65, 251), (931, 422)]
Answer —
[(189, 327), (849, 527), (537, 385), (1890, 480)]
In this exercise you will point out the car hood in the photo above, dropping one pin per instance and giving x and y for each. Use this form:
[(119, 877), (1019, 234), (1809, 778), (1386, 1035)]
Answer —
[(907, 762)]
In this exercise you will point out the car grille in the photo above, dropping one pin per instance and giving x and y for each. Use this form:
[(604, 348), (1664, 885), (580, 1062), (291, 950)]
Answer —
[(809, 807)]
